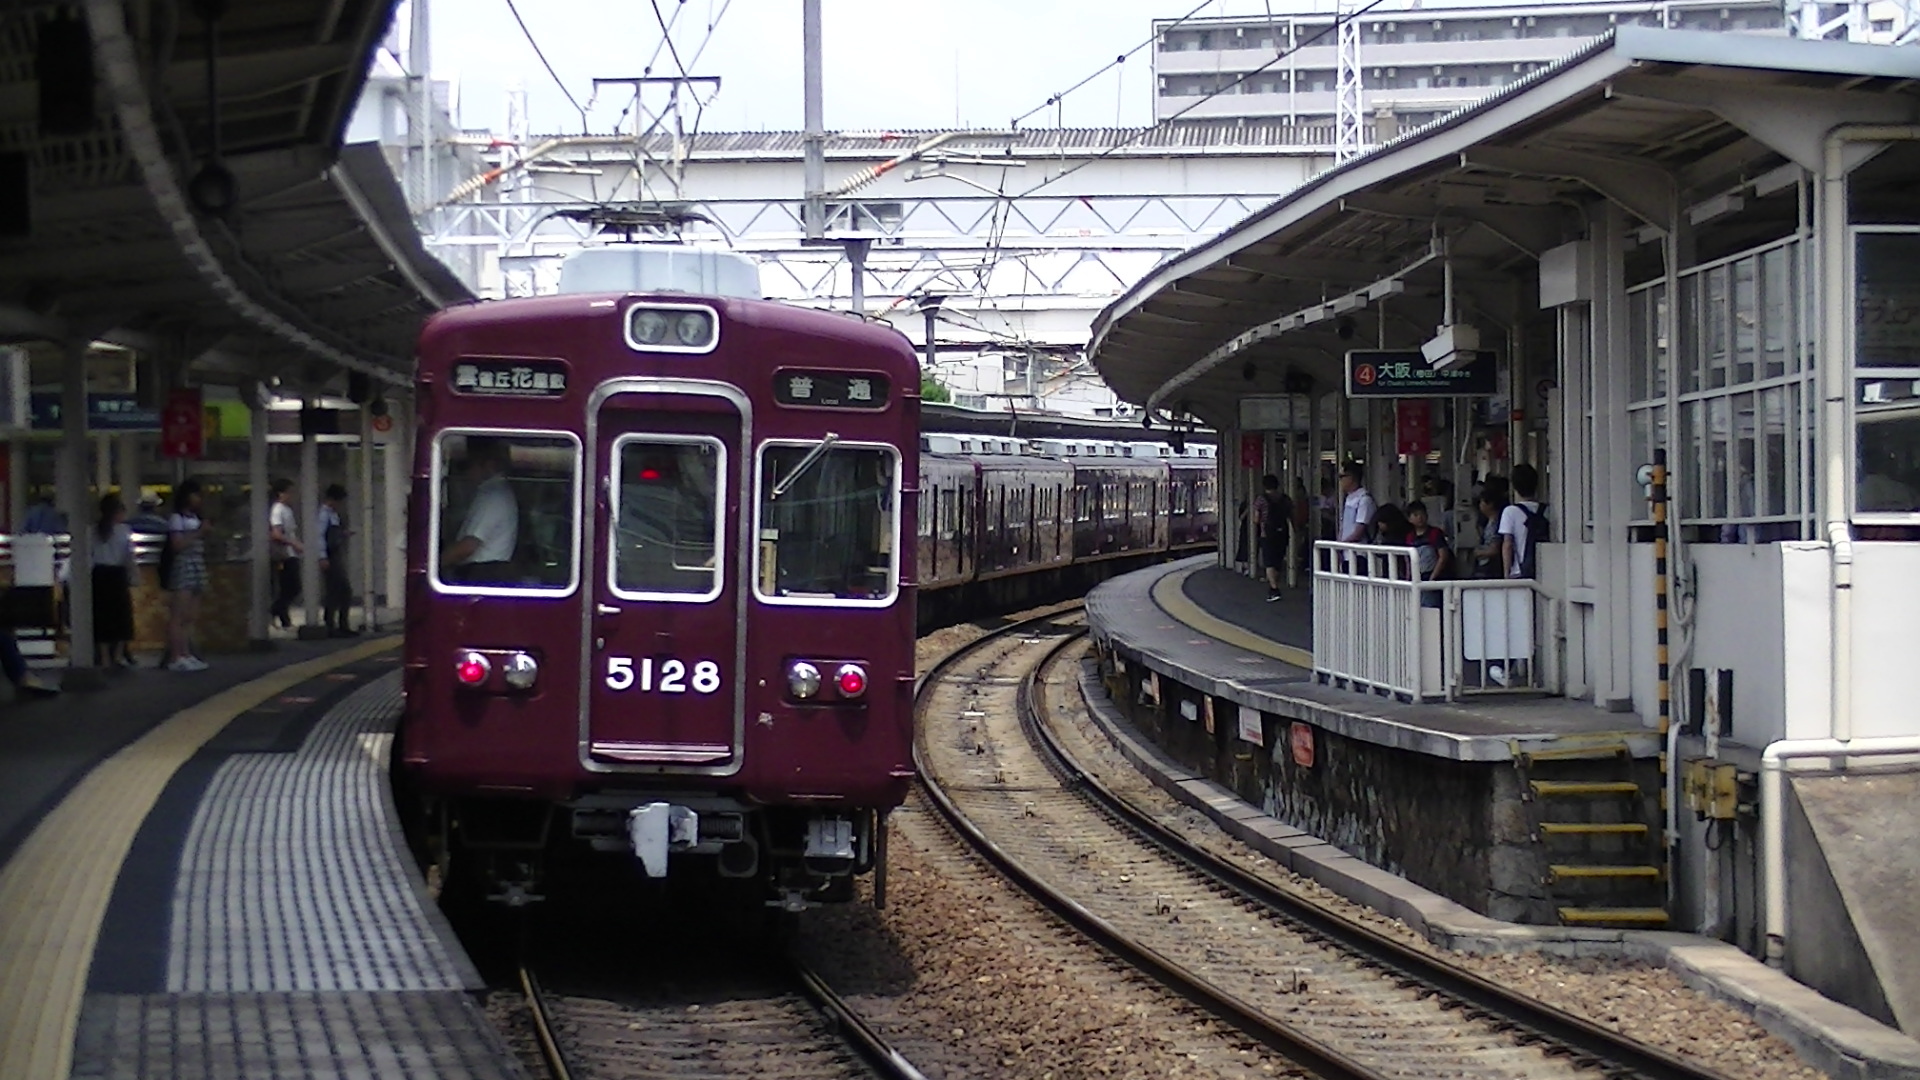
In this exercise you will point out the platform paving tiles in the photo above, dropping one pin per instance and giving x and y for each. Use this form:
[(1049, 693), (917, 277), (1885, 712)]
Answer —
[(288, 1036), (301, 942), (292, 877)]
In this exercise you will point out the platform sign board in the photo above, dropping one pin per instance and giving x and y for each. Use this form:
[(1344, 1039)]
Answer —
[(1300, 741), (183, 424), (105, 412), (1251, 729), (1405, 373), (1413, 427)]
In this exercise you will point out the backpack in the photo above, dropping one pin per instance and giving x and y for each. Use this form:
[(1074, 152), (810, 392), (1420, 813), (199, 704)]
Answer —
[(1436, 538), (1538, 533)]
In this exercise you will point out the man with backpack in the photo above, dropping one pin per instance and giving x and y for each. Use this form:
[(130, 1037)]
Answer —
[(1523, 528), (1273, 514)]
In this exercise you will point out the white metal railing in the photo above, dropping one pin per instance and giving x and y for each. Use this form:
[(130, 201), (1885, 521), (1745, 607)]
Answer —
[(1378, 628), (146, 548)]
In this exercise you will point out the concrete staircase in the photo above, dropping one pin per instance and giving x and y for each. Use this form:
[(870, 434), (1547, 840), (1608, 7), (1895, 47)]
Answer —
[(1601, 859)]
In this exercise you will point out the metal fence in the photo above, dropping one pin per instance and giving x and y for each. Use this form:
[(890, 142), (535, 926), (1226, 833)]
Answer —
[(1378, 628)]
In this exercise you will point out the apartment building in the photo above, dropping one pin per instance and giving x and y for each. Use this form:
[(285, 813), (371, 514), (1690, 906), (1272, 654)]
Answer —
[(1416, 63)]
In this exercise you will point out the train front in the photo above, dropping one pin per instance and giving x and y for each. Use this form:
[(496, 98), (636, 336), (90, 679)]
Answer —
[(660, 609)]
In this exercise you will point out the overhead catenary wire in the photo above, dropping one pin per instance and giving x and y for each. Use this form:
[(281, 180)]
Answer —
[(1110, 65), (537, 51), (1331, 28)]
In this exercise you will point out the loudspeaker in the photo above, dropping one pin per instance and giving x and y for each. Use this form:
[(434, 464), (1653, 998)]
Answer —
[(63, 65), (359, 387)]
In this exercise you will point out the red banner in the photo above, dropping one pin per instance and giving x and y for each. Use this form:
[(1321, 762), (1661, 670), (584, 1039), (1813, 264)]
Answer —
[(1415, 428), (1250, 451), (183, 424)]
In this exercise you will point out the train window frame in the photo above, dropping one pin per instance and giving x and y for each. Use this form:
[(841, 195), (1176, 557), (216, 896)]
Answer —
[(759, 514), (718, 587), (437, 478)]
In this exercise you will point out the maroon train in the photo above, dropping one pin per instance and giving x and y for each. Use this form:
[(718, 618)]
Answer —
[(660, 588)]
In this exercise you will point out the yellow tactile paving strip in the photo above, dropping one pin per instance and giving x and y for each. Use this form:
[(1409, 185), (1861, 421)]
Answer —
[(1171, 596), (54, 893)]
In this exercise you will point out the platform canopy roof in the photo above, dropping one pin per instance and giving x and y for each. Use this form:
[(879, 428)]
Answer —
[(1660, 122), (316, 269)]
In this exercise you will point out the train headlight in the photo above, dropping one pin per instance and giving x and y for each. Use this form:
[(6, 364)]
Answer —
[(472, 669), (803, 680), (851, 680), (649, 327), (521, 671), (693, 329)]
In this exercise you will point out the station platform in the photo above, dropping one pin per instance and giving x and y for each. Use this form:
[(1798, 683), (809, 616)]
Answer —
[(202, 876), (1418, 811), (1260, 654), (1453, 796)]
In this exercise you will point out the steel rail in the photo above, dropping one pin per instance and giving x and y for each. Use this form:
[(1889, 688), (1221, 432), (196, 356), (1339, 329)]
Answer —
[(1610, 1051), (558, 1068), (1296, 1045), (854, 1031)]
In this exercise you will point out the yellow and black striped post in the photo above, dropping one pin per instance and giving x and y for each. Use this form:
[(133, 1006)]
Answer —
[(1660, 610)]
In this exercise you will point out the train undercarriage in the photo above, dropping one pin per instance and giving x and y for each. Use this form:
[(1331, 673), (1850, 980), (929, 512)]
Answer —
[(508, 851)]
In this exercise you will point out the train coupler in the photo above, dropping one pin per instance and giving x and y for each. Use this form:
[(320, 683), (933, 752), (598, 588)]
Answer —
[(658, 828)]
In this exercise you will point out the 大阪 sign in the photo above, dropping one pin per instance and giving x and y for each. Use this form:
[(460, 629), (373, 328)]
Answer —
[(1405, 373)]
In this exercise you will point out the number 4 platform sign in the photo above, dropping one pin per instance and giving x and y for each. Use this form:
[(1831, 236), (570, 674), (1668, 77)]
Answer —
[(182, 424)]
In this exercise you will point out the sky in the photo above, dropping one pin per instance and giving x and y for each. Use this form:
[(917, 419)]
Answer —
[(888, 64)]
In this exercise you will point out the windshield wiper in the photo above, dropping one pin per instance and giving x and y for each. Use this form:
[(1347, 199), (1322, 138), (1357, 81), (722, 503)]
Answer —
[(813, 456)]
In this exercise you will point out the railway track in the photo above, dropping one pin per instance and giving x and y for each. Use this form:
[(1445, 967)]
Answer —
[(1328, 994), (781, 1022)]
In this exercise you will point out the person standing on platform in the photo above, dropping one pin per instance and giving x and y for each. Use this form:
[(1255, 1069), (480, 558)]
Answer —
[(1433, 555), (336, 592), (149, 520), (113, 585), (183, 571), (1523, 528), (1273, 515), (284, 529), (1357, 508), (44, 518)]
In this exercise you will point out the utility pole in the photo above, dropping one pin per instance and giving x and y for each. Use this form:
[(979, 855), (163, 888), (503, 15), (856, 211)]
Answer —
[(420, 128), (814, 139)]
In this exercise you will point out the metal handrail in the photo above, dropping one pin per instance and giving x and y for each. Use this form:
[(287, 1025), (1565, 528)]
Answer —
[(1368, 634), (146, 548)]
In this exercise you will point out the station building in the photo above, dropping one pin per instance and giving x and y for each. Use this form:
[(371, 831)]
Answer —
[(1678, 273)]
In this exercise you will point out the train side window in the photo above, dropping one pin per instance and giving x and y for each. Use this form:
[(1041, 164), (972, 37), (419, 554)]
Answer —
[(506, 512), (666, 519), (949, 512), (827, 527)]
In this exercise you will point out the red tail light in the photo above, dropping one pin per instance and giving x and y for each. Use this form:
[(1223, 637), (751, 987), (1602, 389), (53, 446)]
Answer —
[(473, 669), (851, 680)]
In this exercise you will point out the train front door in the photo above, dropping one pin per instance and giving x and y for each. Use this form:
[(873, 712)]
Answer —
[(664, 629)]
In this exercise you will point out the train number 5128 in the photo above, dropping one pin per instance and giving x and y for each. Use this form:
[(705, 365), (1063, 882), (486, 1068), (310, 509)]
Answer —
[(673, 675)]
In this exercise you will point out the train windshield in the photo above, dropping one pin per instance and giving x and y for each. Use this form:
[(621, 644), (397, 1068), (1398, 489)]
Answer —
[(827, 523), (668, 491), (505, 514)]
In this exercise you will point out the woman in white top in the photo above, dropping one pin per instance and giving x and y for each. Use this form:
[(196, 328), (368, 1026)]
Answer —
[(113, 585)]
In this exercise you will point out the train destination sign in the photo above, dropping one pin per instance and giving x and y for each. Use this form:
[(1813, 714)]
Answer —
[(1405, 373), (511, 378), (831, 389)]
